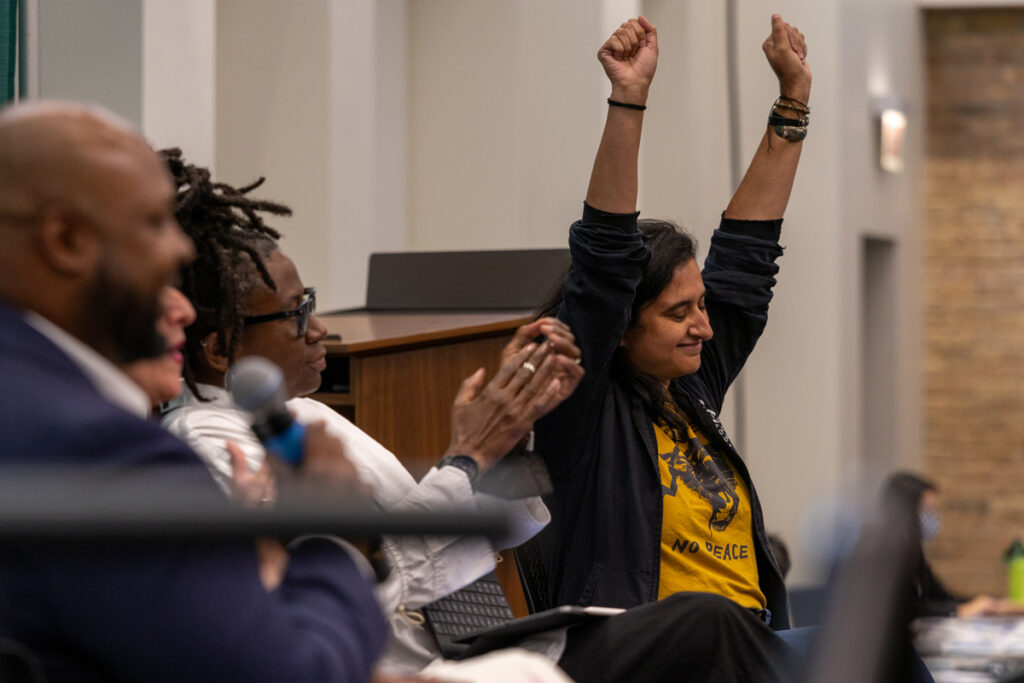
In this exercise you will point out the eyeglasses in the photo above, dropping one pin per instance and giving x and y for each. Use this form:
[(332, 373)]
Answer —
[(306, 309)]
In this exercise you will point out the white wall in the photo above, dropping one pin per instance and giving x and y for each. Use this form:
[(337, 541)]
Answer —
[(92, 52), (472, 124), (492, 174), (313, 96), (487, 172), (151, 61), (685, 172), (883, 61), (272, 76), (806, 427), (178, 76), (488, 160), (367, 133), (504, 120), (794, 396)]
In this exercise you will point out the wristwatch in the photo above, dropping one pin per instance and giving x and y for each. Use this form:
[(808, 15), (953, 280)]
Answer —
[(464, 463)]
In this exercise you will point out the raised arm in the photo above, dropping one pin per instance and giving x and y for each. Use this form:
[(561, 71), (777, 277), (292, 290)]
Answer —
[(608, 252), (764, 192), (629, 58)]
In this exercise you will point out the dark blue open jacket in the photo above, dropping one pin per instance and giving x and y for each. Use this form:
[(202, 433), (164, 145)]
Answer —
[(603, 544), (167, 611)]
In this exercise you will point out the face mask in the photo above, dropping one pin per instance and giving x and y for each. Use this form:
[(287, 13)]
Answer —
[(931, 524)]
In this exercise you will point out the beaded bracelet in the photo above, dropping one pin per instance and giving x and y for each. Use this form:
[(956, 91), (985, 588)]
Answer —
[(790, 129)]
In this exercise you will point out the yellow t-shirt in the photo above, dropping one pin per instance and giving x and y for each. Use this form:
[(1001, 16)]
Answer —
[(707, 533)]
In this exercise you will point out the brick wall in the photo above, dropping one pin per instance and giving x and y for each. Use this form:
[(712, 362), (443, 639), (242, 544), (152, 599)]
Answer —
[(974, 290)]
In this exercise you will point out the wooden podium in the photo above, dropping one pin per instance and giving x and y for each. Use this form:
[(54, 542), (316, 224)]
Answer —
[(395, 374)]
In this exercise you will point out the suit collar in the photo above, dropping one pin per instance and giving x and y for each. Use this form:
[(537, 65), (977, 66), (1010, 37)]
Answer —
[(104, 376)]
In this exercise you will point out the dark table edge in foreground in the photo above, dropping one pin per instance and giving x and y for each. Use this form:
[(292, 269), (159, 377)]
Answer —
[(54, 507)]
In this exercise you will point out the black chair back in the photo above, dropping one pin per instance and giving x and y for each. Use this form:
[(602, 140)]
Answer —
[(516, 279), (532, 576), (865, 635)]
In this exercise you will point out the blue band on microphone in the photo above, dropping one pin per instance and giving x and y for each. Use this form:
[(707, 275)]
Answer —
[(288, 444)]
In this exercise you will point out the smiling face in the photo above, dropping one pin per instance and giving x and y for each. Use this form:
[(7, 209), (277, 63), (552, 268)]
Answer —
[(666, 338), (160, 377), (301, 359)]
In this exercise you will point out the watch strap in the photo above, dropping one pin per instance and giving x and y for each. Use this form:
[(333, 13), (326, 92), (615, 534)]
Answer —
[(464, 463)]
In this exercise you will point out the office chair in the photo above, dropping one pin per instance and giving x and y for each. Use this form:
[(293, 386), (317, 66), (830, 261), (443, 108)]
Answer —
[(533, 576), (865, 636)]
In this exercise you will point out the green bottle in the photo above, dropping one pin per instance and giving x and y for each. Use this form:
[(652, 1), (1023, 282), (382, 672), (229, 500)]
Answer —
[(1015, 571)]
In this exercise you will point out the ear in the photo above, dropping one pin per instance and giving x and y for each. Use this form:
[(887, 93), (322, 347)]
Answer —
[(633, 329), (215, 357), (627, 337), (67, 243)]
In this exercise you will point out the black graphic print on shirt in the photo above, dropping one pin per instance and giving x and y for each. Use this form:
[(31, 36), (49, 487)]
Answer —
[(699, 472)]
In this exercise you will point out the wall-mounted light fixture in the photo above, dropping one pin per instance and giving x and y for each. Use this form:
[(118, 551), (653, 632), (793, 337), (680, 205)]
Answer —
[(892, 128)]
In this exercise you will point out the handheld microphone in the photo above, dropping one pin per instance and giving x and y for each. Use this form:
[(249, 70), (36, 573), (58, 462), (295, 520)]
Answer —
[(257, 385)]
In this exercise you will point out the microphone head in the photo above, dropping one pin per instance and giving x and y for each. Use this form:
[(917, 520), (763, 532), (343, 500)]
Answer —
[(256, 384)]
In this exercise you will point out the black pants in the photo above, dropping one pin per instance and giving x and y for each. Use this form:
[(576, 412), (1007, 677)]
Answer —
[(685, 637)]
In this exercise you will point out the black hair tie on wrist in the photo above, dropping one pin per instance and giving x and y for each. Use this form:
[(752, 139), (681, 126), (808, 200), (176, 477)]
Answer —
[(627, 105)]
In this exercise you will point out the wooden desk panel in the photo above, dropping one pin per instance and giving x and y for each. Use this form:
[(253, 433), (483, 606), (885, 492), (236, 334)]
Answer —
[(395, 376), (362, 332), (403, 399)]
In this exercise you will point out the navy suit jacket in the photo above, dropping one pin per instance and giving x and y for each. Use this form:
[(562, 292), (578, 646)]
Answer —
[(158, 612)]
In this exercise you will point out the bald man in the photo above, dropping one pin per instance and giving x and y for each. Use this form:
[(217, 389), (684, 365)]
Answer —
[(87, 244)]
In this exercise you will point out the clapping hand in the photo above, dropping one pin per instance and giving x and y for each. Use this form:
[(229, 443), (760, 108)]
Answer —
[(562, 343), (489, 420)]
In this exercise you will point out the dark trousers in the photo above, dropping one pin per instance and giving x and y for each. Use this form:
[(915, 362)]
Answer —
[(685, 637)]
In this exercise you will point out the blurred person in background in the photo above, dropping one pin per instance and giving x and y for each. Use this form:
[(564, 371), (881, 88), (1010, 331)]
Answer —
[(781, 552), (921, 496)]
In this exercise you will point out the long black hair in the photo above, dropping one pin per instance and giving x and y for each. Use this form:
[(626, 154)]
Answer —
[(670, 247)]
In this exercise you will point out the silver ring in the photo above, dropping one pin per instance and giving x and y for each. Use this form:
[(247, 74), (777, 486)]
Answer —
[(530, 366)]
